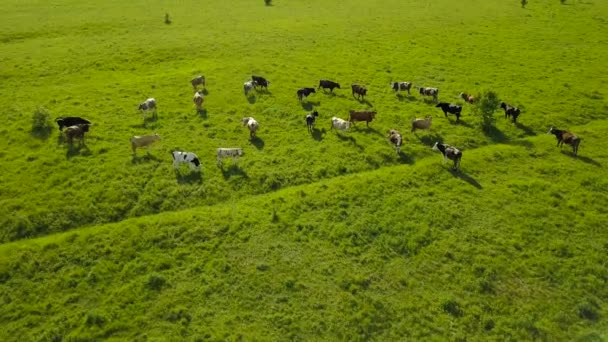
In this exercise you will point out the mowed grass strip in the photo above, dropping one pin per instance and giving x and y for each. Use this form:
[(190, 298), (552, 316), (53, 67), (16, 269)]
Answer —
[(513, 247)]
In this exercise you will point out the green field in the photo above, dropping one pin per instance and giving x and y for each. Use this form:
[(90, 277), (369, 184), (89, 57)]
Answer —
[(330, 236)]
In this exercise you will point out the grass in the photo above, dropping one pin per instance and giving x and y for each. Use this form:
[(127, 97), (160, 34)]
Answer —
[(323, 236)]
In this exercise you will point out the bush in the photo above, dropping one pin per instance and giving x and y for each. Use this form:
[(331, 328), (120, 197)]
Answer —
[(41, 123), (155, 281), (268, 2), (486, 106)]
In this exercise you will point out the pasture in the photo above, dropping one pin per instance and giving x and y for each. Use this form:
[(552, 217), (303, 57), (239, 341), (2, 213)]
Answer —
[(309, 236)]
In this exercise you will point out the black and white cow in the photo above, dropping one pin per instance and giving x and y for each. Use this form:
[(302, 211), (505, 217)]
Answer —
[(450, 108), (328, 84), (310, 120), (186, 157), (510, 111), (198, 80), (260, 81), (396, 139), (425, 91), (235, 153), (449, 152), (397, 86), (304, 92), (148, 105), (71, 121)]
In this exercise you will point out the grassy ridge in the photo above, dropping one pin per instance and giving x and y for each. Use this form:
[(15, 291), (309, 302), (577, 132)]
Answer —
[(513, 248), (100, 61)]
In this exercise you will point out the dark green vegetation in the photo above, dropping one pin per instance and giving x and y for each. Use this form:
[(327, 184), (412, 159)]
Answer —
[(329, 236)]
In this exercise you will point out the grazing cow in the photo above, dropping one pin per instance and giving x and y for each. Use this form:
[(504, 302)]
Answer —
[(328, 84), (143, 141), (235, 153), (397, 86), (422, 123), (340, 124), (186, 157), (467, 97), (395, 138), (71, 121), (449, 152), (310, 120), (198, 80), (198, 99), (564, 136), (361, 116), (248, 86), (450, 108), (260, 81), (148, 105), (360, 90), (76, 131), (510, 111), (434, 92), (252, 125), (304, 92)]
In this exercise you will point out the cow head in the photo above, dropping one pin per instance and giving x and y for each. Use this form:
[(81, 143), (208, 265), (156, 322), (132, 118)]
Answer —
[(59, 122), (503, 105), (338, 85)]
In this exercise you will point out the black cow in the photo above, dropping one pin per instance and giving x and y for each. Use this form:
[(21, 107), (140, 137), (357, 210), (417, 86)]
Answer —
[(71, 121), (360, 90), (328, 84), (510, 111), (304, 92), (564, 136), (450, 108), (310, 120), (259, 81)]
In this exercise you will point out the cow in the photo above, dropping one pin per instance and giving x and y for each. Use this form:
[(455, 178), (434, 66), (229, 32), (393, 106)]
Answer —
[(450, 108), (564, 136), (235, 153), (76, 131), (252, 125), (422, 123), (310, 120), (71, 121), (328, 84), (361, 116), (360, 90), (510, 111), (304, 92), (186, 157), (424, 91), (248, 86), (395, 138), (198, 80), (143, 141), (397, 86), (340, 124), (260, 81), (148, 105), (198, 99), (468, 98), (449, 152)]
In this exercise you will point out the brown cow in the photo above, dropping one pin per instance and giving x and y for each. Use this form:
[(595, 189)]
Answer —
[(361, 116)]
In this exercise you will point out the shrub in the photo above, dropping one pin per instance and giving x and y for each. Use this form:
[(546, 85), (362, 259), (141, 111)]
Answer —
[(156, 281), (485, 108), (268, 2), (41, 123)]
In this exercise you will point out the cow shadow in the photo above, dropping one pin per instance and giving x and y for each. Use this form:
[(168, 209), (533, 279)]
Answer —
[(368, 129), (582, 158), (193, 177), (233, 170), (202, 113), (409, 98), (318, 134), (350, 139), (365, 101), (252, 99), (461, 123), (148, 119), (263, 91), (135, 159), (406, 158), (332, 94), (77, 150), (466, 178), (309, 105), (205, 91), (527, 130), (257, 142), (429, 101), (430, 139)]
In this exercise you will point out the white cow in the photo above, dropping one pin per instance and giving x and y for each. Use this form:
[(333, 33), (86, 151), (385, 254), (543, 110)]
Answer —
[(186, 157), (340, 124), (248, 86), (198, 99), (148, 105), (252, 124), (235, 153), (143, 141)]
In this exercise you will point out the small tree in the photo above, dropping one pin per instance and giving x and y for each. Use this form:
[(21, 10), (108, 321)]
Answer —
[(41, 123), (562, 1), (268, 2), (167, 19), (524, 3), (486, 106)]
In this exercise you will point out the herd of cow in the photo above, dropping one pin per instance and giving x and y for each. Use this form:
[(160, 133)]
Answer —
[(76, 127)]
